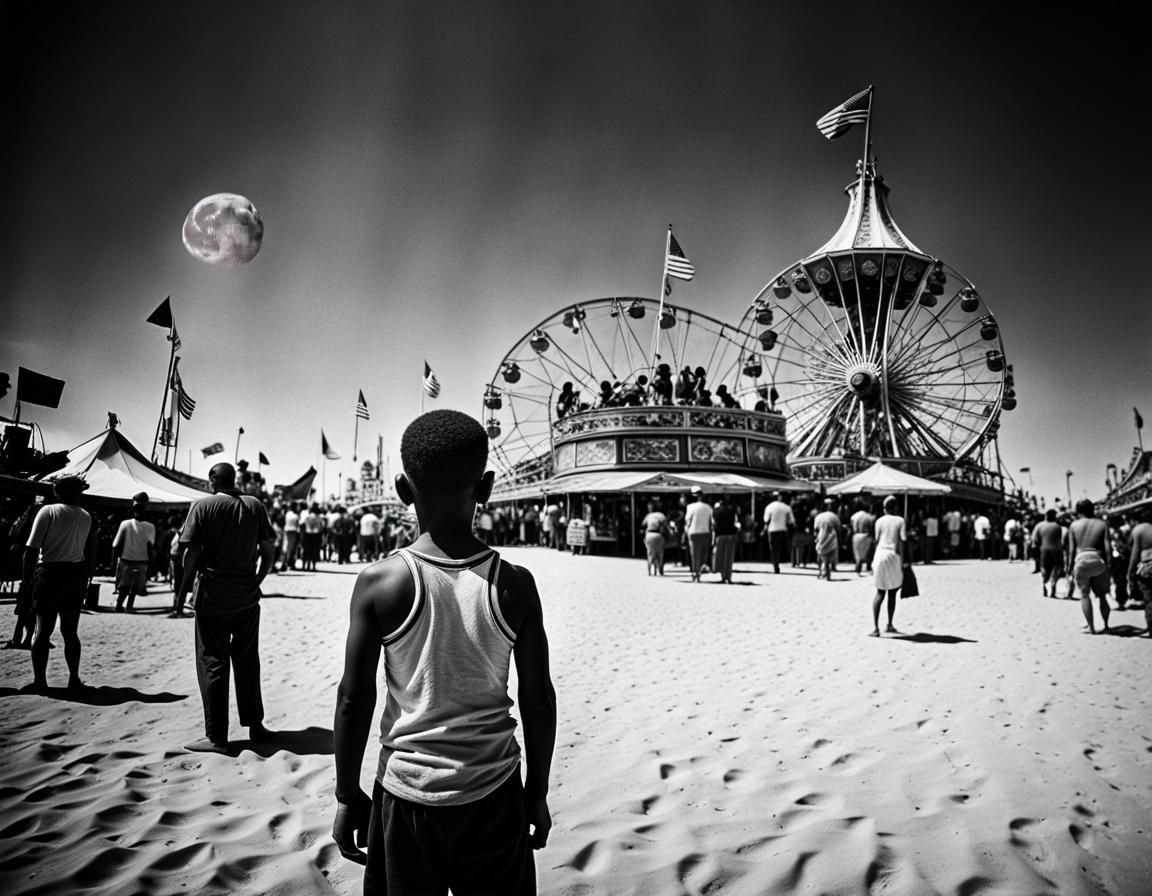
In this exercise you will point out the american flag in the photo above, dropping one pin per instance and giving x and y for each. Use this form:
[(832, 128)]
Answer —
[(677, 265), (431, 384), (362, 407), (852, 111), (185, 403)]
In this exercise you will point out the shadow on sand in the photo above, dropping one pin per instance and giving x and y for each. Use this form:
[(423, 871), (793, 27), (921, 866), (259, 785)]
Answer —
[(306, 742), (96, 696), (929, 638), (1125, 631)]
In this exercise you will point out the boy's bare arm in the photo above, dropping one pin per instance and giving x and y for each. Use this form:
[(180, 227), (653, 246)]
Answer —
[(536, 699), (377, 600)]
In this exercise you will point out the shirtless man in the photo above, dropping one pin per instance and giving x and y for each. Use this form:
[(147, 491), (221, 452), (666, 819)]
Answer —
[(1140, 565), (1088, 548)]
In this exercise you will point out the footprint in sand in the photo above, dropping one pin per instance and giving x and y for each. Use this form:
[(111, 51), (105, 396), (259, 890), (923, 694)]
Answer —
[(592, 858), (738, 779)]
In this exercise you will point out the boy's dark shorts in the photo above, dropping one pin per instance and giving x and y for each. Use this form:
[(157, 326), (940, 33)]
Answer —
[(59, 587), (477, 849)]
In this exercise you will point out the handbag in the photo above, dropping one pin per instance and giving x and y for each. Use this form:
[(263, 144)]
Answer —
[(910, 587)]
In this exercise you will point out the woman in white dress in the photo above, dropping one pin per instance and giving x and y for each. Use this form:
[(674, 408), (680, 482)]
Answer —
[(888, 563)]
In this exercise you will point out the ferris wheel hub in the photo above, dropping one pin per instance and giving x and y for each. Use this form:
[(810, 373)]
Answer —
[(863, 379)]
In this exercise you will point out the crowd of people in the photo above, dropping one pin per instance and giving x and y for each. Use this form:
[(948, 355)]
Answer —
[(687, 388)]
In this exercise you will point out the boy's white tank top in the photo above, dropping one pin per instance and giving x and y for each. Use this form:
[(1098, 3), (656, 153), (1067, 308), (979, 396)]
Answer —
[(446, 734)]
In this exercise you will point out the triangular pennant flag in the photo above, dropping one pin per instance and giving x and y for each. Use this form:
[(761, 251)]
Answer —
[(162, 316)]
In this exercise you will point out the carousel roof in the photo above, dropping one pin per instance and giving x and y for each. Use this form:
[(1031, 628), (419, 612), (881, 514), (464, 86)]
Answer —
[(868, 223), (116, 470), (651, 481)]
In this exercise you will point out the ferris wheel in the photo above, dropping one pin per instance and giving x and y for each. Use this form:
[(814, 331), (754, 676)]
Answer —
[(593, 354), (886, 353)]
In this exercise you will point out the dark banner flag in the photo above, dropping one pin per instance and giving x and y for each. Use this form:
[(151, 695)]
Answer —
[(300, 489), (162, 316), (214, 448), (36, 388), (264, 459)]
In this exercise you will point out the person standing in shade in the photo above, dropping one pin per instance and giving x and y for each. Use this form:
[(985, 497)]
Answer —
[(291, 535), (725, 529), (931, 536), (448, 808), (59, 560), (698, 526), (228, 545), (1089, 548), (132, 551), (981, 529), (826, 528), (862, 522), (888, 564), (778, 524), (655, 528)]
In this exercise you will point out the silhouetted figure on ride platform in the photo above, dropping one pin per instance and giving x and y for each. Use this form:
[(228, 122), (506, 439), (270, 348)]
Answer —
[(685, 386), (568, 401), (725, 397), (701, 384), (662, 385), (636, 394), (704, 398), (606, 396)]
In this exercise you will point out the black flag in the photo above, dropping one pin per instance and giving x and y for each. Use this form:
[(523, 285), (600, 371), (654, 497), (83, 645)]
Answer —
[(263, 459), (162, 316), (36, 388), (1139, 419)]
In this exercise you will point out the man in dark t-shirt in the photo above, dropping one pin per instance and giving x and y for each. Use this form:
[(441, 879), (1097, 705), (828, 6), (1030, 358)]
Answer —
[(223, 538), (724, 529)]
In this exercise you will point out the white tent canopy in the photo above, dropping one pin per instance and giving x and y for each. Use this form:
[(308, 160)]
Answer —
[(115, 470), (880, 479), (651, 481)]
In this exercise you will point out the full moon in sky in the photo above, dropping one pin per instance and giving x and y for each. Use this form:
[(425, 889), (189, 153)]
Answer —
[(223, 230)]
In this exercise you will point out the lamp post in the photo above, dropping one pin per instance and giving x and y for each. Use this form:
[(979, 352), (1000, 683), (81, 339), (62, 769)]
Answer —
[(1068, 487)]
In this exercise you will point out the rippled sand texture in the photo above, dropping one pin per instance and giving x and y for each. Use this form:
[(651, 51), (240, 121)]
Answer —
[(744, 739)]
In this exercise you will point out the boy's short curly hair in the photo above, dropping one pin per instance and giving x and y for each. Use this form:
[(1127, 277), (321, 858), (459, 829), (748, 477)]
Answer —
[(443, 450)]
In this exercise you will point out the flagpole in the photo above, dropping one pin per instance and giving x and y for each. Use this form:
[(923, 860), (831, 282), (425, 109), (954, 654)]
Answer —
[(868, 130), (663, 288), (355, 436), (239, 433), (167, 386)]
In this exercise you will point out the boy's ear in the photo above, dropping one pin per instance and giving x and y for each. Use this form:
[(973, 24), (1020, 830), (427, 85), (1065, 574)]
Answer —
[(404, 490), (484, 487)]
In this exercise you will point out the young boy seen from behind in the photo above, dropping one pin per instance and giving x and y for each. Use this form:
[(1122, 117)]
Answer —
[(448, 808)]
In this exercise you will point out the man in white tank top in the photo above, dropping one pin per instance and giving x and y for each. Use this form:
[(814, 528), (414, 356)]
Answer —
[(448, 809)]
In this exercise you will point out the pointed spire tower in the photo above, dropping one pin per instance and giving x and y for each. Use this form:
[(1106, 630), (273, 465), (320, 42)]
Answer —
[(876, 350)]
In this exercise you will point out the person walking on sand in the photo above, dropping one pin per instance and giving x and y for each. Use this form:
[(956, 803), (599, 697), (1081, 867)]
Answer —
[(132, 550), (1047, 541), (59, 560), (888, 564), (778, 525), (1088, 549), (698, 525), (448, 809), (223, 536), (826, 528), (1140, 564)]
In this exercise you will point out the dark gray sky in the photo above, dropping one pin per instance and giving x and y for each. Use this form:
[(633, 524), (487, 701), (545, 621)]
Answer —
[(436, 177)]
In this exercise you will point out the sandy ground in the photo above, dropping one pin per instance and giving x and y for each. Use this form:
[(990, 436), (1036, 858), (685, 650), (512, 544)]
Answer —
[(743, 739)]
